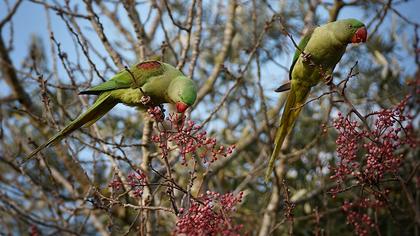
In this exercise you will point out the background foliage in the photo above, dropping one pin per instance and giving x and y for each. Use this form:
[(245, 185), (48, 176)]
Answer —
[(114, 178)]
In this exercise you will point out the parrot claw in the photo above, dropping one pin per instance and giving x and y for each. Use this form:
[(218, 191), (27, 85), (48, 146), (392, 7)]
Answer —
[(328, 79), (145, 99), (306, 57)]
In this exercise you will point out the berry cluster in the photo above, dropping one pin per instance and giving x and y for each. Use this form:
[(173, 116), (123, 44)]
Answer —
[(379, 147), (367, 157), (115, 184), (361, 222), (137, 180), (211, 216), (156, 114), (187, 136)]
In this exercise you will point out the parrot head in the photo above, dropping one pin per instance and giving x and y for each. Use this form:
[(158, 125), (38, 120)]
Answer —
[(182, 92), (350, 31)]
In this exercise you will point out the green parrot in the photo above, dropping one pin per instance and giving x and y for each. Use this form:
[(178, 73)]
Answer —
[(161, 82), (323, 48)]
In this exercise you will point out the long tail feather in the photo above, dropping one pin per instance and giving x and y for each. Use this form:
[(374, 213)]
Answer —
[(101, 106), (294, 104)]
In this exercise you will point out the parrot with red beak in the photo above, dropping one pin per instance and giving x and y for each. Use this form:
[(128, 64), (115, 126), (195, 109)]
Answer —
[(159, 81), (317, 54)]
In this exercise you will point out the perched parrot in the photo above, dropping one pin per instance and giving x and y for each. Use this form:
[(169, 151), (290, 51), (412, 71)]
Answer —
[(161, 82), (323, 48)]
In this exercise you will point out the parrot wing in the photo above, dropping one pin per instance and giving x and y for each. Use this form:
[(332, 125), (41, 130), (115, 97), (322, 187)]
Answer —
[(302, 45), (134, 77), (119, 81)]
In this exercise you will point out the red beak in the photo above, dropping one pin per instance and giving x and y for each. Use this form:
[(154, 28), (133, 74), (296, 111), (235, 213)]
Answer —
[(360, 35), (181, 107)]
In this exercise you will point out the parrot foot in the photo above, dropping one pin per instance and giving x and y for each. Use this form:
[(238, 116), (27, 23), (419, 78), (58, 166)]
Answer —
[(328, 79), (306, 57), (145, 99)]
